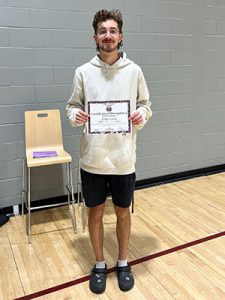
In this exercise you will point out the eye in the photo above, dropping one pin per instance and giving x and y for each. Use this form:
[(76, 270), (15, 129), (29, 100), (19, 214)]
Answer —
[(113, 31), (102, 32)]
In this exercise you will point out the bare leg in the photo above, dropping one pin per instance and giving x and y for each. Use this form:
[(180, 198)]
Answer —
[(96, 230), (123, 230)]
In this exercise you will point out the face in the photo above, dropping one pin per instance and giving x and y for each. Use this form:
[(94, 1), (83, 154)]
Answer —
[(108, 36)]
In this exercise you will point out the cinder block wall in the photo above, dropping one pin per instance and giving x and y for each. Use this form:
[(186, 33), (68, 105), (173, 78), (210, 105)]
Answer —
[(180, 46)]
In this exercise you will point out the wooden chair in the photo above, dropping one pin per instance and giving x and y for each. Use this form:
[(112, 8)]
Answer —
[(43, 133)]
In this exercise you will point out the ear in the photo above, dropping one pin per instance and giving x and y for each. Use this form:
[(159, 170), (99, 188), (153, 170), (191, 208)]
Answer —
[(121, 37), (95, 37), (96, 41)]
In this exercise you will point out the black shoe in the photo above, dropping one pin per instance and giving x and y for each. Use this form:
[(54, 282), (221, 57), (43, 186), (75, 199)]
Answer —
[(97, 282), (125, 278)]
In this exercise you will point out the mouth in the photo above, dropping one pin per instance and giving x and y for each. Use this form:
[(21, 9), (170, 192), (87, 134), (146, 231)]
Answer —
[(107, 41)]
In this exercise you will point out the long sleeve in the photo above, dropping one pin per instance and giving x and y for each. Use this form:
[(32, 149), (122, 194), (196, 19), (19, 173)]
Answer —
[(143, 103), (76, 101)]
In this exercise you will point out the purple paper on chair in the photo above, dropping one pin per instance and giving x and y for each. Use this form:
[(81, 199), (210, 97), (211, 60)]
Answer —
[(40, 154)]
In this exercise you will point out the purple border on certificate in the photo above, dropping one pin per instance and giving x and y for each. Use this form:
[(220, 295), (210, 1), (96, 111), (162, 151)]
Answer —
[(110, 116)]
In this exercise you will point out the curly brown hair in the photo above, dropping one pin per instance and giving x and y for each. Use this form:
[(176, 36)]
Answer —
[(104, 15)]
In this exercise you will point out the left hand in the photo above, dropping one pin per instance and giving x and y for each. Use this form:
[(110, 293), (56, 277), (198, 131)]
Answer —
[(136, 118)]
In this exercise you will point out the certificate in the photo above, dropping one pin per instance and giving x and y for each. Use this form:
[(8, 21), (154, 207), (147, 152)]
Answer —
[(109, 117)]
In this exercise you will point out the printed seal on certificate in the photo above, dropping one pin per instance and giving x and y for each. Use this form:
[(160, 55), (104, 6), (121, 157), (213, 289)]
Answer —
[(109, 117)]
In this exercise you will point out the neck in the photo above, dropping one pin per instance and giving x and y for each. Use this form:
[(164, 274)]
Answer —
[(109, 58)]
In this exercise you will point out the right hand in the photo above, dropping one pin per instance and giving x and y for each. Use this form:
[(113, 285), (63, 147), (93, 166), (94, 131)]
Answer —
[(81, 117)]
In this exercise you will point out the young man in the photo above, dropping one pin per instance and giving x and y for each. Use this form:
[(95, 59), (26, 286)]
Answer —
[(108, 160)]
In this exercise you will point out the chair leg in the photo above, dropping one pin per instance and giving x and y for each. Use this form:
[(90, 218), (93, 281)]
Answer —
[(72, 195), (80, 197), (68, 184), (78, 182), (84, 215), (28, 208), (23, 187)]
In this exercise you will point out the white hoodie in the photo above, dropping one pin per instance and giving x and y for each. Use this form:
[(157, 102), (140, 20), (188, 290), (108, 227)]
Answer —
[(98, 81)]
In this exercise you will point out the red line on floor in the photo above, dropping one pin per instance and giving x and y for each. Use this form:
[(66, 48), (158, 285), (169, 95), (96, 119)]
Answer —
[(111, 270)]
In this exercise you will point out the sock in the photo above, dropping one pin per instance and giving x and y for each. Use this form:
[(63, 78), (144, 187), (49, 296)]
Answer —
[(122, 262), (100, 264)]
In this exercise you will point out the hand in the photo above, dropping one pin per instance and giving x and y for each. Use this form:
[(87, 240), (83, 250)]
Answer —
[(81, 117), (136, 118)]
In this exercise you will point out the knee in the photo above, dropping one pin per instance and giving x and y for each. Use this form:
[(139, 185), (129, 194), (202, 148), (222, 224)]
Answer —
[(96, 213), (122, 213)]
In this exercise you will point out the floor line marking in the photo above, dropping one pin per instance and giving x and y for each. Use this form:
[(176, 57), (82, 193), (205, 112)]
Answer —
[(113, 269)]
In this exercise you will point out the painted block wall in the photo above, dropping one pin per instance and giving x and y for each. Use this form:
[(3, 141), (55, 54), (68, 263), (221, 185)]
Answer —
[(180, 47)]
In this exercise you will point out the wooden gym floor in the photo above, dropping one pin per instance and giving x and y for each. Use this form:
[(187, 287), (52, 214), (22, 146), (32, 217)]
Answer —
[(166, 217)]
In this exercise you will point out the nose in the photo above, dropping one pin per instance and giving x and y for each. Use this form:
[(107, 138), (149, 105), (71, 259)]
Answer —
[(107, 34)]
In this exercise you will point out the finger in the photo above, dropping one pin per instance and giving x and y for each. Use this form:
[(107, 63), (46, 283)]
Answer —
[(133, 115), (80, 119), (84, 114), (137, 117), (137, 120)]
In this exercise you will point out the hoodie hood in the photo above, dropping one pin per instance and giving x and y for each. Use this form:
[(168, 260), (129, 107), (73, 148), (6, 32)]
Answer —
[(121, 62)]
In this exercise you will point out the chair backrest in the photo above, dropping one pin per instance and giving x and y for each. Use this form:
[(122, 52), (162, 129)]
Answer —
[(43, 129)]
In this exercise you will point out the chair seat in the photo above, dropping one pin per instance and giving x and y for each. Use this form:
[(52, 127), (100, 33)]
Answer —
[(62, 157)]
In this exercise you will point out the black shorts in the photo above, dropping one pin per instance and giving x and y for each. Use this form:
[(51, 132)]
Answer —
[(97, 187)]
